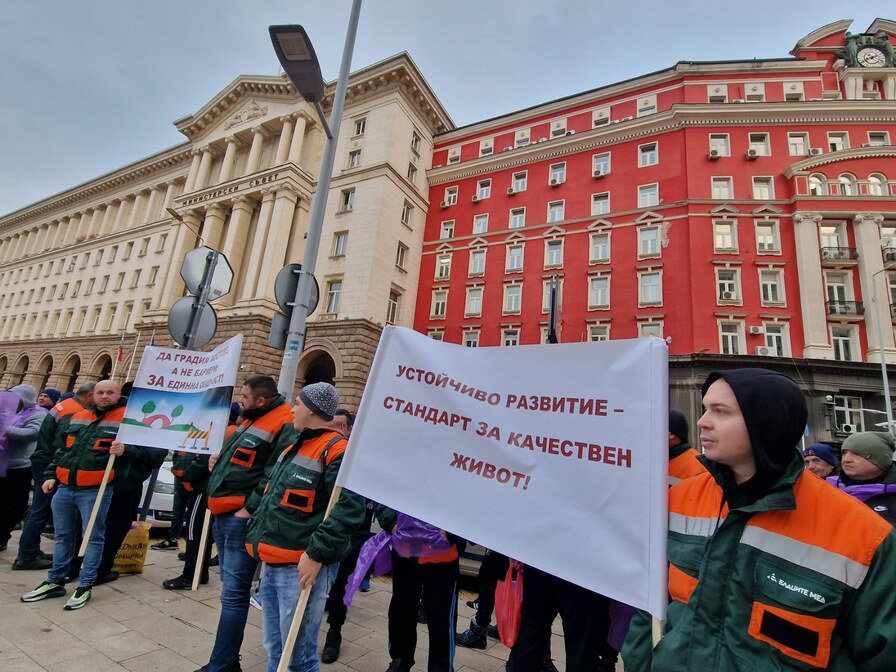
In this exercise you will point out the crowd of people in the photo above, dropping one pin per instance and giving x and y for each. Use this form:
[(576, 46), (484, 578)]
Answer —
[(777, 559)]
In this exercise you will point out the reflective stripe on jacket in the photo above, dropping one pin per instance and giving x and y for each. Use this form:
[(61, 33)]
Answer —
[(56, 421), (83, 449)]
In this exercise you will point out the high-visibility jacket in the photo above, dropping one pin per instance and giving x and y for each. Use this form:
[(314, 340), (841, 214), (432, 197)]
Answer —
[(683, 463), (246, 454), (288, 512), (56, 421), (802, 579), (82, 450)]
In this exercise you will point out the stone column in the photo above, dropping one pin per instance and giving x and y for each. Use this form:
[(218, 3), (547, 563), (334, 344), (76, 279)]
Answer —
[(185, 241), (96, 222), (136, 218), (229, 158), (872, 277), (42, 238), (234, 246), (194, 170), (277, 240), (259, 245), (124, 211), (812, 291), (30, 241), (213, 225), (285, 139), (168, 201), (205, 169), (152, 205), (71, 229), (54, 236), (109, 216), (254, 161), (298, 137)]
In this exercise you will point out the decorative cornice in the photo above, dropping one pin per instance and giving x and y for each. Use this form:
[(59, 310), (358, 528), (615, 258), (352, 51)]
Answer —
[(807, 164)]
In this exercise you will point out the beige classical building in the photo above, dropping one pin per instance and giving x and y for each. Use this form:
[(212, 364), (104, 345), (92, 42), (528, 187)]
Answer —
[(101, 260)]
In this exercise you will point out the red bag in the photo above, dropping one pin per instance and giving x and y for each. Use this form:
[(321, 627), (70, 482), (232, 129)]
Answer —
[(509, 606)]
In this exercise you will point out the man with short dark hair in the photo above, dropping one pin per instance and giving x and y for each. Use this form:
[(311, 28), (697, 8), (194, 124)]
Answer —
[(48, 398)]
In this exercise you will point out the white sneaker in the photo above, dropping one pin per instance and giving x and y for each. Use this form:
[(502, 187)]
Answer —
[(79, 598)]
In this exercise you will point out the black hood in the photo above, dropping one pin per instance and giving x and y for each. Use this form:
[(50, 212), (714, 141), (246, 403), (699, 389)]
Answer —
[(775, 412)]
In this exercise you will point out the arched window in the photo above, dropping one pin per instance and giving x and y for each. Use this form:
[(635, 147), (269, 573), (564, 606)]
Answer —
[(848, 184), (876, 183), (818, 185)]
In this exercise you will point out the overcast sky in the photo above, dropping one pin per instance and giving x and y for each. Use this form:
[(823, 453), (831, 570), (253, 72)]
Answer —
[(91, 85)]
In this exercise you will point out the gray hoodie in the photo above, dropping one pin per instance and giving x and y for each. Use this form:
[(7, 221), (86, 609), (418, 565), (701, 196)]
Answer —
[(21, 435)]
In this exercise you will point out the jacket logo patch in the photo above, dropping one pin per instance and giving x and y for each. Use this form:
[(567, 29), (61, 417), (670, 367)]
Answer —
[(880, 508), (796, 589), (299, 477)]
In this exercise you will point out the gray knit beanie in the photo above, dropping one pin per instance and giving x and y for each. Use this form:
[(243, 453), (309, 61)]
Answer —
[(321, 399), (26, 393), (876, 447)]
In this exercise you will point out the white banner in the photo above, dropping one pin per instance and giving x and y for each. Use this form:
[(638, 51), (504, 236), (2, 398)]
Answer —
[(555, 455), (181, 398)]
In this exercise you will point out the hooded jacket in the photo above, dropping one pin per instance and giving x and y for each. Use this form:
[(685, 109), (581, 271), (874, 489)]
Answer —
[(781, 572), (21, 435), (878, 494)]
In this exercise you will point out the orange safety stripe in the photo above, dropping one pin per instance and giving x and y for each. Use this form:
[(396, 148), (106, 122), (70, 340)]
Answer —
[(219, 505), (274, 554), (446, 556), (186, 484), (243, 457), (822, 627), (685, 466), (62, 475), (697, 497), (300, 500), (177, 472), (91, 478), (103, 444), (69, 441), (681, 584)]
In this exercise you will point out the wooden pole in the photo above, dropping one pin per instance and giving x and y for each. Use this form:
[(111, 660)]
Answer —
[(96, 507), (200, 556), (656, 630), (290, 642), (133, 354)]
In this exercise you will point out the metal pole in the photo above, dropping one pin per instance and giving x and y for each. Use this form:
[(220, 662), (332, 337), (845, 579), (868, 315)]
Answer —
[(883, 360), (295, 337), (202, 300)]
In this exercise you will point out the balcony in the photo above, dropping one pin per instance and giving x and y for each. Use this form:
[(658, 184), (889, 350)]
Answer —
[(893, 311), (889, 254), (847, 308), (838, 256)]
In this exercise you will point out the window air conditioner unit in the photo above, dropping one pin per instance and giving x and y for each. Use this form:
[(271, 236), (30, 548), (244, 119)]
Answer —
[(615, 121), (752, 153), (556, 183), (828, 254), (598, 173), (475, 199), (507, 149), (764, 351), (714, 154), (847, 429), (570, 132), (814, 151), (890, 255), (627, 118), (868, 144), (510, 191), (727, 295), (756, 331), (738, 100), (542, 139), (443, 204)]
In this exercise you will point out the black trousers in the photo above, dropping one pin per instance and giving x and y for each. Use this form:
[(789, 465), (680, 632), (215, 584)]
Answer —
[(585, 616), (14, 489), (438, 581), (336, 609), (194, 516), (493, 569)]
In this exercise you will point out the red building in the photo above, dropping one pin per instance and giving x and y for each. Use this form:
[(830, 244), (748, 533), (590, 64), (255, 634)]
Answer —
[(743, 210)]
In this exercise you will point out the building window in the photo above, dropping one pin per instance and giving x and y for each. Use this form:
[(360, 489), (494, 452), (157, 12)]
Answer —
[(720, 144), (151, 281), (474, 302), (598, 332), (360, 126), (514, 261), (724, 234), (113, 252), (340, 243), (756, 93), (347, 201), (649, 241), (393, 307), (798, 144), (144, 246), (87, 289), (354, 158), (598, 293), (776, 338), (135, 282), (848, 184), (450, 196), (767, 239), (439, 304), (601, 164), (727, 284), (163, 241), (119, 281), (483, 189), (334, 289), (842, 340), (650, 330), (480, 224), (830, 235), (522, 138), (600, 117), (650, 289), (648, 195), (600, 248), (771, 285), (437, 335), (600, 204), (722, 188), (415, 142), (513, 299), (731, 338), (443, 267), (717, 93), (556, 211), (876, 183), (447, 229), (546, 294), (553, 253), (557, 174), (520, 181), (763, 188), (878, 138), (103, 284), (838, 141), (648, 155), (848, 411), (128, 249), (477, 262), (558, 128), (412, 172), (818, 185), (517, 218), (646, 105), (510, 337), (486, 147), (453, 155), (471, 339), (401, 256), (406, 212)]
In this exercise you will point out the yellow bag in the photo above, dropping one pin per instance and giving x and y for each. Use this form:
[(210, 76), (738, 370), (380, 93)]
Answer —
[(132, 554)]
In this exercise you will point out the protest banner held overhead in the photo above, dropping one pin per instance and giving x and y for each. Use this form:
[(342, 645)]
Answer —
[(181, 398), (555, 455)]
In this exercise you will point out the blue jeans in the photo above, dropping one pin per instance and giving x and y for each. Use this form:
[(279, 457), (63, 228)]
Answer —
[(237, 572), (279, 597), (29, 542), (71, 511)]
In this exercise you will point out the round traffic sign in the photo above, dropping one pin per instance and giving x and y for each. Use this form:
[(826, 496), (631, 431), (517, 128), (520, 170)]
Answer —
[(181, 321), (193, 269), (285, 285)]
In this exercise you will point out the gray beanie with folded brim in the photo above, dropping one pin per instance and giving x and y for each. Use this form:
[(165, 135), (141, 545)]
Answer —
[(321, 399), (876, 447)]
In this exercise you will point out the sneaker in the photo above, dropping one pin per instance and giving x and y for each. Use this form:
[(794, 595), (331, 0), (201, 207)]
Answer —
[(182, 556), (330, 654), (365, 586), (492, 631), (421, 614), (183, 582), (32, 563), (233, 668), (48, 535), (109, 577), (214, 562), (473, 604), (79, 598), (473, 637), (395, 666), (165, 545), (255, 601), (43, 591)]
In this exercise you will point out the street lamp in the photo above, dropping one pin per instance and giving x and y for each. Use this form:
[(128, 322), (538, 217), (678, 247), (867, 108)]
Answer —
[(296, 55), (880, 344)]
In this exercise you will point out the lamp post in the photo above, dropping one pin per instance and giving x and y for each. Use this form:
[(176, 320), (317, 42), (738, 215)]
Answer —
[(880, 344), (296, 55)]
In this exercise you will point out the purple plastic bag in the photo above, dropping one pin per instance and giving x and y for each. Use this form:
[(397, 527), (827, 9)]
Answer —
[(412, 538), (376, 553)]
